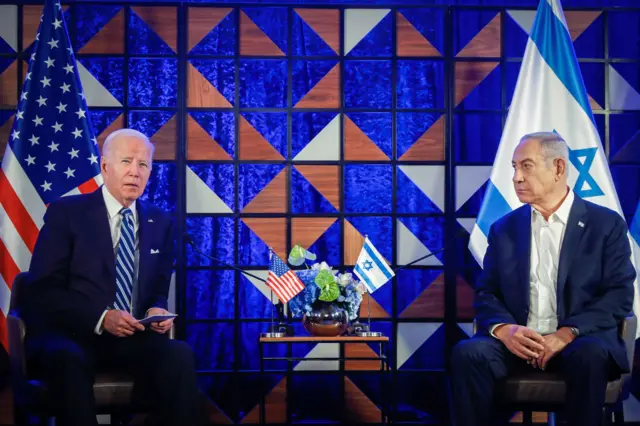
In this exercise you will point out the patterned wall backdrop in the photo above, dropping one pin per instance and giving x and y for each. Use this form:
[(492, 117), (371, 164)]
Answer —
[(318, 125)]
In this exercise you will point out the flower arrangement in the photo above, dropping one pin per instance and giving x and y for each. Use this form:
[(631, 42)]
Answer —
[(324, 284)]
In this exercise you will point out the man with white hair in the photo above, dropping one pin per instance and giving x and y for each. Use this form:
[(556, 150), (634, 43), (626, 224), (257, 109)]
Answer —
[(102, 260), (556, 283)]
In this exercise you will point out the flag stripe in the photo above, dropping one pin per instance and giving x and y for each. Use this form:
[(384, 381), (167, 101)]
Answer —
[(89, 186), (494, 206), (16, 212), (13, 242), (365, 278), (5, 296), (8, 269), (548, 33), (376, 258)]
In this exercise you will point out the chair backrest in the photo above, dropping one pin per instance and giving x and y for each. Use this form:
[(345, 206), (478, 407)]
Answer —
[(17, 291)]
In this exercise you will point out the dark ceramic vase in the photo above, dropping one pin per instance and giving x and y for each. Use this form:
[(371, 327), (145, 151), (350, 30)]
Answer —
[(326, 320)]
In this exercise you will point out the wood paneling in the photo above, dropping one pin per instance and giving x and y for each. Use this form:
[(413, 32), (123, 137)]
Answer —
[(272, 198), (117, 124), (326, 179), (162, 20), (410, 42), (200, 145), (275, 406), (5, 131), (358, 146), (110, 39), (273, 231), (430, 146), (253, 41), (353, 242), (486, 43), (371, 304), (326, 23), (325, 94), (469, 75), (165, 141), (360, 350), (429, 304), (579, 20), (9, 86), (201, 93), (359, 408), (202, 20), (465, 295), (253, 146), (306, 230)]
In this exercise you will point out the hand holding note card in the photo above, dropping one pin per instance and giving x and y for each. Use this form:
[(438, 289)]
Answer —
[(156, 318)]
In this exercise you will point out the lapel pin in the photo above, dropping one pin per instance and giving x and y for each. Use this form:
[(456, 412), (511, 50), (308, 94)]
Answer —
[(581, 225), (150, 220)]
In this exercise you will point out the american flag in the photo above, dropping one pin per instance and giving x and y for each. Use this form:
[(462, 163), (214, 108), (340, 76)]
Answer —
[(282, 280), (51, 151)]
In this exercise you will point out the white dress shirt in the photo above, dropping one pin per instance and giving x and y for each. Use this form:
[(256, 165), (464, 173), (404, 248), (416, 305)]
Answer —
[(546, 242), (115, 220)]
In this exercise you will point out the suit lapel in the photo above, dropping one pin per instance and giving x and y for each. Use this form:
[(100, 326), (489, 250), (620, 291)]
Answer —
[(523, 245), (100, 223), (576, 224), (144, 234)]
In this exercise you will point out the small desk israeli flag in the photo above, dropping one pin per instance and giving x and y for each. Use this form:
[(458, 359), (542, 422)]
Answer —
[(371, 267)]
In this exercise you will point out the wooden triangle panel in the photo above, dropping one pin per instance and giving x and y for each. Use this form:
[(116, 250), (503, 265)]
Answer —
[(358, 146), (202, 93), (326, 23), (353, 242), (110, 39), (253, 41), (430, 146), (360, 350), (306, 230), (377, 311), (537, 417), (272, 198), (215, 415), (271, 230), (410, 42), (325, 94), (469, 75), (200, 145), (202, 20), (5, 131), (465, 295), (165, 141), (486, 43), (594, 104), (579, 20), (253, 146), (9, 86), (326, 179), (162, 20), (117, 124), (430, 303), (359, 408), (275, 407)]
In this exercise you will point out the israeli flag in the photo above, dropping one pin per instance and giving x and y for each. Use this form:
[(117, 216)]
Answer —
[(549, 96), (371, 267)]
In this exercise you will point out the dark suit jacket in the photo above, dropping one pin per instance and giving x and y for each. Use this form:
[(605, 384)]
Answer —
[(72, 271), (595, 274)]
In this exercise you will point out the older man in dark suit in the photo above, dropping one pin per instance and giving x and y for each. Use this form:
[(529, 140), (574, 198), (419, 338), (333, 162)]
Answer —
[(557, 281), (102, 260)]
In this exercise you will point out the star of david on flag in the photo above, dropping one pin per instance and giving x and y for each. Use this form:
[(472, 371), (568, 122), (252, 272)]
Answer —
[(371, 267), (549, 96), (51, 151)]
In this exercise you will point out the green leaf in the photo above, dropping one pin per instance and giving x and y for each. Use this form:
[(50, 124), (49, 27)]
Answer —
[(297, 255), (330, 292)]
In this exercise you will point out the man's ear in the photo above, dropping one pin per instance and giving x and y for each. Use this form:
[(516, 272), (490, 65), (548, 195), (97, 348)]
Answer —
[(560, 166)]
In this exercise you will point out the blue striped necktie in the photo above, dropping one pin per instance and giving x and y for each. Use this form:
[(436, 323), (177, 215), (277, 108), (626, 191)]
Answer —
[(124, 262)]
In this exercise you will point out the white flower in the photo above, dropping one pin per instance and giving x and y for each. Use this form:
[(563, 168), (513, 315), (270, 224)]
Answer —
[(323, 266), (362, 289), (345, 279)]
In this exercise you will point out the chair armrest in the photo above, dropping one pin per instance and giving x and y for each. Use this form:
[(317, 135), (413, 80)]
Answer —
[(18, 361)]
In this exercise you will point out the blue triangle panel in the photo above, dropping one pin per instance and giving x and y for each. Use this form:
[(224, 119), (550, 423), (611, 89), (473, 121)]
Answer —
[(306, 74), (378, 229), (211, 235), (273, 21), (377, 126), (410, 198), (252, 178), (272, 126), (429, 230), (206, 301), (517, 38), (5, 115), (305, 126), (89, 20), (219, 178), (593, 77), (377, 42), (220, 389), (467, 25), (306, 42), (253, 304), (6, 63), (213, 345), (221, 41), (252, 251), (411, 283), (5, 48), (253, 386), (429, 22), (109, 72), (471, 207), (368, 188), (220, 126), (307, 199), (221, 73), (590, 44), (161, 188), (430, 356), (101, 119), (143, 40), (148, 122), (410, 126), (486, 95), (328, 246)]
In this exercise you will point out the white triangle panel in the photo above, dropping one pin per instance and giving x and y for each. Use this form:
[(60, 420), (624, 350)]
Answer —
[(411, 248), (359, 23), (467, 327), (261, 286), (9, 25), (200, 198), (325, 146), (524, 19), (467, 223), (411, 336), (321, 350), (430, 180), (95, 93), (468, 180), (622, 95)]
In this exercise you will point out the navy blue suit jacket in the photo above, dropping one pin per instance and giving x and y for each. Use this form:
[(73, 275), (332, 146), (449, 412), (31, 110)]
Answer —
[(595, 275), (72, 271)]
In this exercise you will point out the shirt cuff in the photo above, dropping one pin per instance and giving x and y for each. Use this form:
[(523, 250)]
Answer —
[(493, 327), (98, 329)]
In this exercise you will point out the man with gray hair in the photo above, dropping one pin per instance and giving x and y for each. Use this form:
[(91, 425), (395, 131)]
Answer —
[(556, 283), (101, 261)]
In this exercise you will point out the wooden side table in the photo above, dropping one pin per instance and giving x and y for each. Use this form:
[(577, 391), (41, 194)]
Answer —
[(383, 361)]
